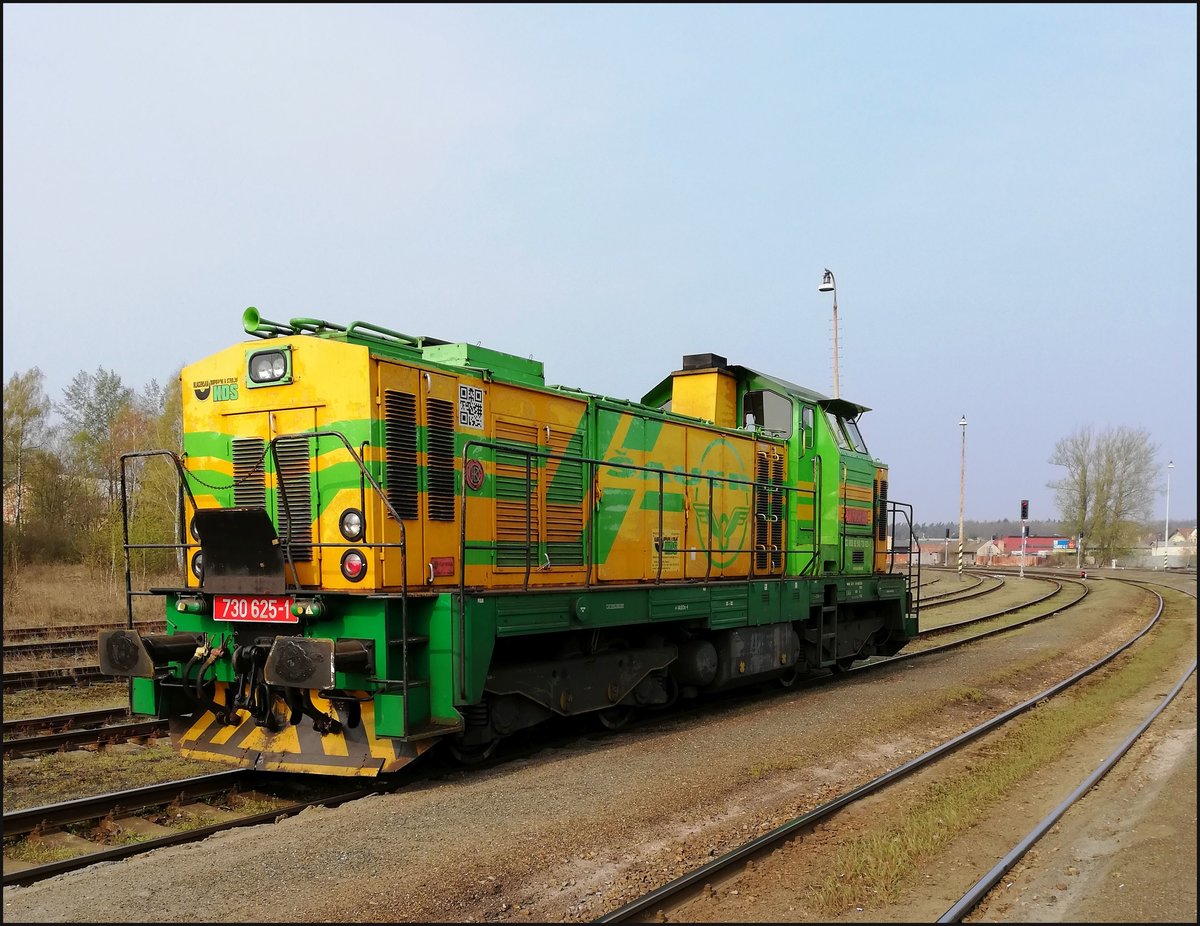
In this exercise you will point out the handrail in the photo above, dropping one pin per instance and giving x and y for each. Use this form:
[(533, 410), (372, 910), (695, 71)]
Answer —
[(184, 475), (530, 454)]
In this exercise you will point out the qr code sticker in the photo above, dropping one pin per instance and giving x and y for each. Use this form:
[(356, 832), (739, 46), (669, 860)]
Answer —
[(470, 407)]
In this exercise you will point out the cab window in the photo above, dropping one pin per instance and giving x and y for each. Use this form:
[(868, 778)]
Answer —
[(772, 412), (806, 425)]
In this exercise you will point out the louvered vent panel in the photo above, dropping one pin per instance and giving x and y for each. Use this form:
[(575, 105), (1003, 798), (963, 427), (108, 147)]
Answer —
[(439, 460), (516, 497), (400, 426), (762, 510), (780, 522), (295, 496), (858, 557), (881, 513), (249, 478), (564, 500)]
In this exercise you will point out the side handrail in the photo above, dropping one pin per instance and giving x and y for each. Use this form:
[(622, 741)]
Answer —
[(470, 451), (181, 474)]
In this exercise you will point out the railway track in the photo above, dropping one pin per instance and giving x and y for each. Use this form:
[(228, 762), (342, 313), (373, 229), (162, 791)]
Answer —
[(54, 815), (25, 634), (81, 735), (55, 678), (42, 648), (124, 823), (670, 896)]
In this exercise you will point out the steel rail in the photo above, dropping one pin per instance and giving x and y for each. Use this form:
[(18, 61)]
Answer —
[(67, 646), (976, 893), (93, 736), (1058, 587), (199, 787), (21, 634), (57, 722), (70, 676)]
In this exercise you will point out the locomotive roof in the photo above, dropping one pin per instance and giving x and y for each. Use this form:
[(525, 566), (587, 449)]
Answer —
[(525, 370), (746, 375)]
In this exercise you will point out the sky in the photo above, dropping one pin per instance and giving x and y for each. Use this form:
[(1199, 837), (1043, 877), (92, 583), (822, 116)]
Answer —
[(1005, 195)]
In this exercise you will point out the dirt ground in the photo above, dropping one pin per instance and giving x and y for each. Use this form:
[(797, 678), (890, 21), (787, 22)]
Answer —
[(572, 833)]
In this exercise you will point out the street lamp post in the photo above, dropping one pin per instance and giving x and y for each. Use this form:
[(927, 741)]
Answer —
[(1167, 524), (962, 478), (829, 285)]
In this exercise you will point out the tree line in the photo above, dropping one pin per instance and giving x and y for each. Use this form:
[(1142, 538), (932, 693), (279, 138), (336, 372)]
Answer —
[(62, 477), (62, 469)]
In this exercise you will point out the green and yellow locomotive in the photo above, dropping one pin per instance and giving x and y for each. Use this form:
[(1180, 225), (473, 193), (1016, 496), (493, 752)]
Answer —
[(394, 541)]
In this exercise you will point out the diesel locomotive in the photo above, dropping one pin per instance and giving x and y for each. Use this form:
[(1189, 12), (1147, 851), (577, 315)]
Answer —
[(388, 542)]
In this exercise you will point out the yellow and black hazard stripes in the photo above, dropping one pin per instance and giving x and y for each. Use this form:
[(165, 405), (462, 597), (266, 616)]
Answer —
[(353, 750)]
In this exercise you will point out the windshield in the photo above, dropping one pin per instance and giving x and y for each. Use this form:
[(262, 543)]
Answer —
[(836, 428), (855, 437), (846, 433)]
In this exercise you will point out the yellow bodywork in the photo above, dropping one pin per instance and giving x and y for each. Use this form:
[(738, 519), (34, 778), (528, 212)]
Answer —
[(704, 526)]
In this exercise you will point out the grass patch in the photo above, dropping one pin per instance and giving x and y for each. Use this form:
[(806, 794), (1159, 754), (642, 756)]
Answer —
[(875, 868), (65, 776), (44, 702), (40, 595)]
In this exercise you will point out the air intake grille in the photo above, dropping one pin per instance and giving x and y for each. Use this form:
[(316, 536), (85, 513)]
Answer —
[(768, 511), (400, 414), (295, 497), (881, 511), (564, 500), (249, 478), (440, 460), (517, 514)]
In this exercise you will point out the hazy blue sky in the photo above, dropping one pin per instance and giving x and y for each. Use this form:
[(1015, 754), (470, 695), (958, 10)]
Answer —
[(1006, 195)]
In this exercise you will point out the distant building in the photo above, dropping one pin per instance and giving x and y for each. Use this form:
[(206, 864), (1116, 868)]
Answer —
[(1006, 551), (935, 552)]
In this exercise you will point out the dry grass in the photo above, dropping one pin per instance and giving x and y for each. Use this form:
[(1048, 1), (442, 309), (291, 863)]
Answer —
[(65, 776), (67, 595)]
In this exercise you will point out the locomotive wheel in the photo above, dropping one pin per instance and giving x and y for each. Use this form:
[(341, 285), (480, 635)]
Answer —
[(843, 664), (470, 755), (613, 718), (788, 679), (672, 693)]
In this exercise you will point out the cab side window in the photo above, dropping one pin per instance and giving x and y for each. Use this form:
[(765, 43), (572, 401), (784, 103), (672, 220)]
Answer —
[(772, 412)]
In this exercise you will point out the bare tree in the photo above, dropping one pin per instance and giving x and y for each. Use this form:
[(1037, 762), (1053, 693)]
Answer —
[(1108, 488)]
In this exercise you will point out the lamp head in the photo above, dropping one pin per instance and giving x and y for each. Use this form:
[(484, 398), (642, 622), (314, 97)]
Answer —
[(962, 422), (827, 284)]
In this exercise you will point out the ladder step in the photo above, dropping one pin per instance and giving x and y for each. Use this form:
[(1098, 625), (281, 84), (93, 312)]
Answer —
[(399, 641)]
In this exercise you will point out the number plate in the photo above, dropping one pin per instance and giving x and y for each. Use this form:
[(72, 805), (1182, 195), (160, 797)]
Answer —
[(259, 609)]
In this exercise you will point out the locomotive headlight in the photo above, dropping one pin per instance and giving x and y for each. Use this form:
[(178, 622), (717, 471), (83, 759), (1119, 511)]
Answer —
[(198, 565), (351, 524), (354, 565), (268, 367)]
